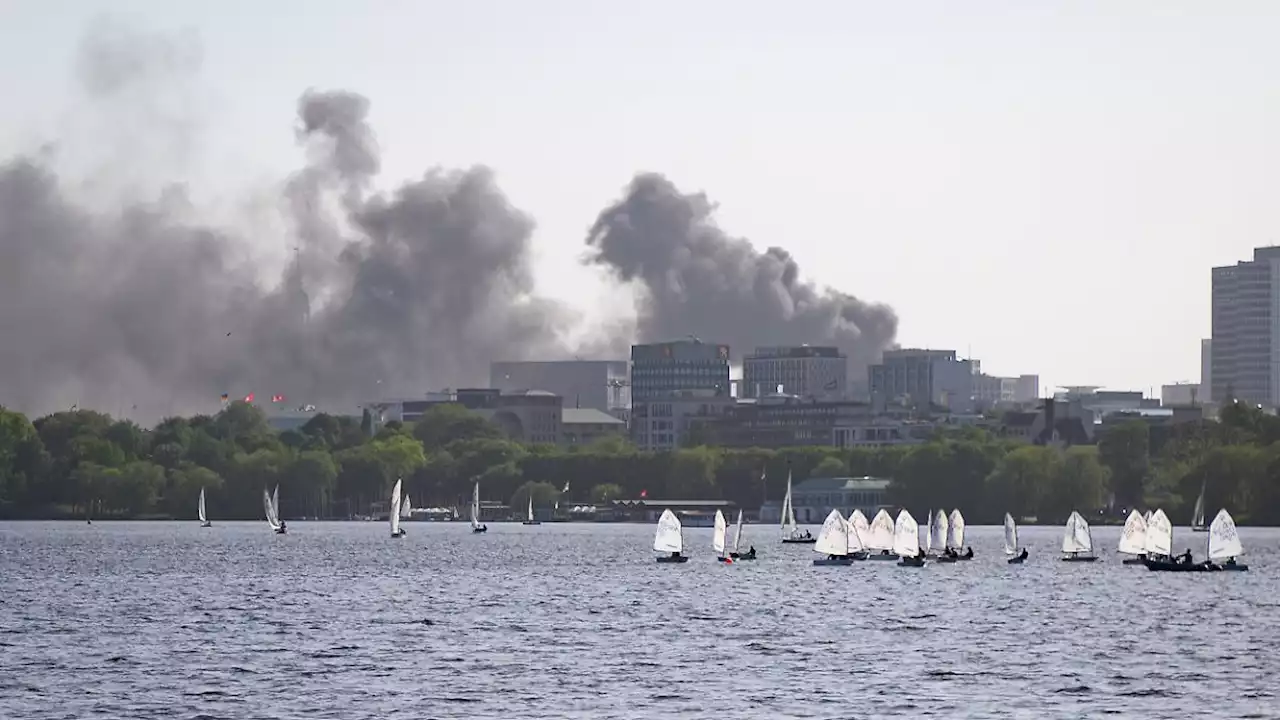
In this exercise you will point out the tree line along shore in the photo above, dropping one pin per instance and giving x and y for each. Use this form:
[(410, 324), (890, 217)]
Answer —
[(335, 467)]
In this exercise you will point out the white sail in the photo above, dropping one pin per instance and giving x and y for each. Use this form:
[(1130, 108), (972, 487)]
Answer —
[(1224, 541), (200, 507), (855, 534), (718, 534), (1077, 538), (1146, 517), (833, 538), (1010, 535), (530, 507), (858, 525), (668, 538), (270, 509), (406, 508), (1133, 539), (880, 534), (737, 535), (940, 528), (275, 503), (788, 512), (906, 535), (955, 531), (475, 505), (1159, 539), (1197, 516), (927, 544), (393, 513)]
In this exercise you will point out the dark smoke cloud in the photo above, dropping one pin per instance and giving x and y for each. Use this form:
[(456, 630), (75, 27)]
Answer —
[(694, 278), (148, 310)]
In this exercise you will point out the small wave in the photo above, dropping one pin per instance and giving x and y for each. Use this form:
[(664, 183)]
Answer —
[(1077, 690), (1146, 692)]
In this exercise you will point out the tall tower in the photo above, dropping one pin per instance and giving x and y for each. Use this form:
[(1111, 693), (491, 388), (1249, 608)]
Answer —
[(1245, 341)]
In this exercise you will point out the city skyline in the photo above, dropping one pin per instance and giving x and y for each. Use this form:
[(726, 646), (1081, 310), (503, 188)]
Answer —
[(957, 187)]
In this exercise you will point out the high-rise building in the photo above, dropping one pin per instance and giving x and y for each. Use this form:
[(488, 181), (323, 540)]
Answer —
[(674, 386), (920, 378), (1245, 342), (806, 371), (598, 384)]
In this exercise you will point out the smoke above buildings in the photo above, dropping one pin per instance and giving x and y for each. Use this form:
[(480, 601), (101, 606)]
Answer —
[(148, 309)]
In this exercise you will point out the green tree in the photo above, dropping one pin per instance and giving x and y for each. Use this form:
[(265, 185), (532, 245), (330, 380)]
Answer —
[(1020, 482), (22, 458), (182, 493), (444, 424), (831, 466), (1079, 483), (606, 493), (1124, 449), (545, 495)]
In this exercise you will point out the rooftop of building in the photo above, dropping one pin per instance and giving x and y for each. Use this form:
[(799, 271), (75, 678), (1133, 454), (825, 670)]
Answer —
[(588, 416), (831, 484), (794, 351), (652, 503)]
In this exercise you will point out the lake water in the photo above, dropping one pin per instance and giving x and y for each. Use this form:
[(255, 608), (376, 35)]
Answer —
[(337, 620)]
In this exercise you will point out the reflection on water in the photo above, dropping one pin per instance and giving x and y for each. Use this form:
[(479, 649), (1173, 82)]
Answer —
[(337, 620)]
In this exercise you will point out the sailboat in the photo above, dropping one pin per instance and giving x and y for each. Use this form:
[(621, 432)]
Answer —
[(859, 526), (955, 537), (529, 516), (1158, 542), (476, 527), (938, 526), (1133, 539), (1011, 541), (719, 539), (879, 537), (271, 504), (204, 519), (790, 533), (1224, 543), (1197, 515), (393, 513), (669, 539), (406, 508), (906, 540), (737, 553), (833, 541), (1077, 540)]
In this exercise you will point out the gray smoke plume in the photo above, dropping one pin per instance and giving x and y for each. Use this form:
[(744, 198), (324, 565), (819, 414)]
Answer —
[(695, 279), (146, 312)]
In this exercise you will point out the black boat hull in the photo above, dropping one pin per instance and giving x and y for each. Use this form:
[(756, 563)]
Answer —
[(742, 556), (1162, 566), (946, 559), (1081, 558), (479, 530), (1134, 561), (1015, 560), (677, 559), (911, 562), (878, 556), (206, 524), (799, 541), (822, 562), (528, 522)]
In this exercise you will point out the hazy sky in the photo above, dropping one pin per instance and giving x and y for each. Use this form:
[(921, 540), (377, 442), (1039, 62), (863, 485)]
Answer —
[(1042, 185)]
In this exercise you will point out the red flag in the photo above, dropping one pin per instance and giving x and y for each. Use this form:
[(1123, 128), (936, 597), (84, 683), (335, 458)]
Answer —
[(248, 398), (277, 398), (644, 493)]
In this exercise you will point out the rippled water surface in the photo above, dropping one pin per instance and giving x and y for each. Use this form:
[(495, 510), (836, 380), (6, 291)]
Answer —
[(337, 620)]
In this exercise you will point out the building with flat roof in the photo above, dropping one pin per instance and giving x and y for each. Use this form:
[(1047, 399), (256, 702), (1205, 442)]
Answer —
[(923, 379), (675, 385), (811, 371), (1245, 341), (782, 420), (583, 426), (603, 385), (531, 416)]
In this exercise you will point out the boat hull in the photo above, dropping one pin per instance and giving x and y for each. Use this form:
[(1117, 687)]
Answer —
[(206, 524), (822, 562), (1134, 561), (947, 559), (744, 558), (1232, 568), (879, 556), (1016, 560), (1081, 558), (911, 562), (799, 541), (530, 522), (1198, 529), (1163, 566), (480, 530), (674, 560), (280, 532)]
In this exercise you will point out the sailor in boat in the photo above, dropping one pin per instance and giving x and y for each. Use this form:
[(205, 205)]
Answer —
[(1023, 555), (675, 554), (281, 530), (884, 552), (1185, 558), (968, 553), (751, 553)]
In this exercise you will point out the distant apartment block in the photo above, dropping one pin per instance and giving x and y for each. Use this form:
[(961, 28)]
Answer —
[(990, 391), (675, 385), (1180, 394), (924, 378), (1245, 341), (806, 371), (597, 384)]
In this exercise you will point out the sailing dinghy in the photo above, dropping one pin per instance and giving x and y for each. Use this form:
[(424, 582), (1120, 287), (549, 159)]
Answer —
[(529, 517), (669, 539), (955, 537), (1224, 543), (271, 505), (938, 532), (1197, 515), (720, 539), (906, 540), (791, 533), (1158, 542), (833, 541), (879, 538), (1077, 540), (1011, 542), (204, 519), (737, 553), (476, 527), (393, 512), (1133, 539)]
